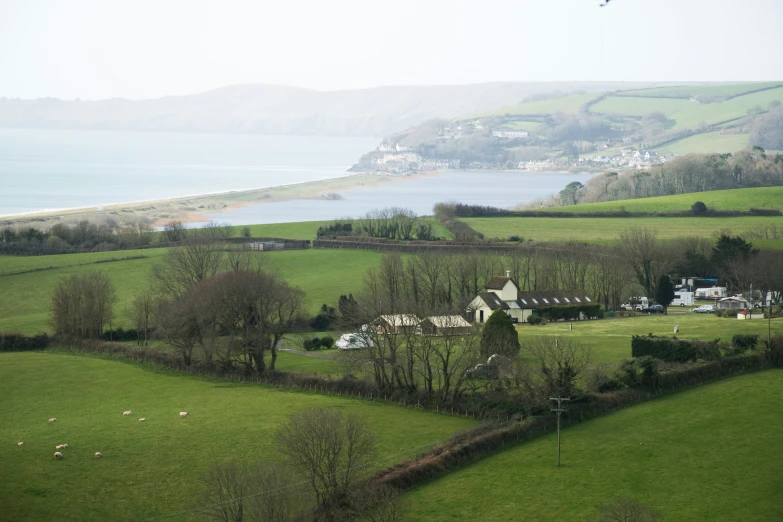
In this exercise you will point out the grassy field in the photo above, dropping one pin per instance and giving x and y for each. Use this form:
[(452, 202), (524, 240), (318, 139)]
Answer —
[(734, 199), (322, 274), (704, 454), (610, 339), (708, 142), (685, 112), (692, 91), (566, 104), (308, 229), (607, 229), (153, 468)]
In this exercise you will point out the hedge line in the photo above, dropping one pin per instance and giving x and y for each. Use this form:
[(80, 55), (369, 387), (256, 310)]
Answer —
[(12, 342), (554, 313), (671, 349)]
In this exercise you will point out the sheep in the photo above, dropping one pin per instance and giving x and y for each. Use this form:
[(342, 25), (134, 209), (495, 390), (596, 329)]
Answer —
[(142, 419), (53, 419), (126, 413), (59, 447), (58, 455), (183, 414), (20, 444), (98, 454)]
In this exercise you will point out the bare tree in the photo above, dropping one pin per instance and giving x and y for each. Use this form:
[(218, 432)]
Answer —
[(199, 258), (82, 304), (226, 487), (276, 496), (627, 510), (647, 257), (558, 362), (328, 449), (142, 314)]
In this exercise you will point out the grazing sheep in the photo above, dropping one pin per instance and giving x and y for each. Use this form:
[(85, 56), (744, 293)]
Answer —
[(98, 454), (20, 444), (59, 447), (183, 414), (53, 419), (58, 455), (126, 413), (142, 419)]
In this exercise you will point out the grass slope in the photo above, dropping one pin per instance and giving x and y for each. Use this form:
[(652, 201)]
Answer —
[(322, 274), (733, 199), (705, 454), (153, 468), (607, 229), (566, 104), (308, 229), (610, 339), (687, 113), (708, 142), (699, 90)]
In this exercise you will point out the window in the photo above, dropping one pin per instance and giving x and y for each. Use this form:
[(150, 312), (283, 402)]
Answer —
[(566, 300), (577, 300), (555, 299), (588, 299), (544, 299), (534, 301), (523, 301)]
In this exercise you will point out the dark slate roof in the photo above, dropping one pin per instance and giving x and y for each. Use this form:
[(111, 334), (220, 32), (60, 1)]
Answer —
[(493, 301), (497, 283), (530, 300)]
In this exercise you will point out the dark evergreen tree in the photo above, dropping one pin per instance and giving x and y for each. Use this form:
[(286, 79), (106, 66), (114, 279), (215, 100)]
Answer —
[(499, 336), (664, 293)]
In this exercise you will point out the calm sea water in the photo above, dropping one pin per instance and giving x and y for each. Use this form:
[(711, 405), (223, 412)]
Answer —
[(57, 169), (54, 169)]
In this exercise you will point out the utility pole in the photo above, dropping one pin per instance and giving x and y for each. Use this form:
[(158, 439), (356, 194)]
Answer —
[(558, 410)]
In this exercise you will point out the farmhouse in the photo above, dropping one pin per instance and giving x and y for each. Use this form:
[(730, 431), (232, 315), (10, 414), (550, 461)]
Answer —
[(445, 325), (399, 323), (503, 293)]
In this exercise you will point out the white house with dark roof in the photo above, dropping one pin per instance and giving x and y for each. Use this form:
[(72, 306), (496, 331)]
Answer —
[(503, 293)]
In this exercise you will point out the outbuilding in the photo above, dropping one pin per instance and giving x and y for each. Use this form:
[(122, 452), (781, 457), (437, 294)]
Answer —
[(445, 325)]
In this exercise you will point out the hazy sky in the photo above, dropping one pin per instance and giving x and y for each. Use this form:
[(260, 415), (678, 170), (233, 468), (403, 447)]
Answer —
[(141, 48)]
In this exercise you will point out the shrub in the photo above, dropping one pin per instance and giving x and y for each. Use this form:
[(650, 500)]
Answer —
[(499, 335), (515, 239), (327, 342), (774, 350), (699, 208), (745, 341), (325, 319), (535, 319), (308, 345), (672, 349), (17, 342)]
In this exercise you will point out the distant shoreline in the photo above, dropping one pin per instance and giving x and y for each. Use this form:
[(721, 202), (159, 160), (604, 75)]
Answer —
[(190, 209)]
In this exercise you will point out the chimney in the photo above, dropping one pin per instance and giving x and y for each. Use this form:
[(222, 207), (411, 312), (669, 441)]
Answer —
[(508, 274)]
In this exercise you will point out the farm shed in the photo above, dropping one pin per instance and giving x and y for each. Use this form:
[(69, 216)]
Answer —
[(399, 323), (445, 325)]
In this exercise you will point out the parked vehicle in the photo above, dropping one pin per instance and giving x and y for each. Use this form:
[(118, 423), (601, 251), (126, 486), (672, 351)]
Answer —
[(704, 309), (635, 303), (714, 292), (682, 298), (482, 371), (353, 341), (653, 309)]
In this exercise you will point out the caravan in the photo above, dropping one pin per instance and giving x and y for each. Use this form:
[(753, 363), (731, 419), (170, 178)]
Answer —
[(682, 299), (635, 303), (714, 292)]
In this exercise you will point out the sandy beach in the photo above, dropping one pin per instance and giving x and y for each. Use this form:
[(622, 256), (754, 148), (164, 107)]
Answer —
[(191, 209)]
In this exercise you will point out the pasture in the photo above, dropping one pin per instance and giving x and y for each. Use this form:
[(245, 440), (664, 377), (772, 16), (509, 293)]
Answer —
[(704, 454), (604, 230), (566, 104), (733, 199), (322, 274), (153, 468), (691, 91), (707, 143), (610, 339)]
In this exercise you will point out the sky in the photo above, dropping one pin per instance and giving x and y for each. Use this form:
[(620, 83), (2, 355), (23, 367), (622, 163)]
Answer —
[(94, 49)]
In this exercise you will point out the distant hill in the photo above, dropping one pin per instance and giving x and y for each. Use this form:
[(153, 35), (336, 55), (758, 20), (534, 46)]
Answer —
[(272, 109)]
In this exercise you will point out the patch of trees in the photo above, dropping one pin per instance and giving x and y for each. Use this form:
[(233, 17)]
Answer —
[(12, 342), (767, 130), (82, 304), (576, 127), (83, 236), (689, 173)]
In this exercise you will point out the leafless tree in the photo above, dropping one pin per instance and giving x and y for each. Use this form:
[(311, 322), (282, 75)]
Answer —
[(327, 448), (199, 258), (175, 231), (226, 488), (558, 362), (82, 304), (647, 257), (377, 503), (186, 321), (142, 313)]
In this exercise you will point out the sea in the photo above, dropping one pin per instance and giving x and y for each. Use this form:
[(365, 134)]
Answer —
[(44, 169)]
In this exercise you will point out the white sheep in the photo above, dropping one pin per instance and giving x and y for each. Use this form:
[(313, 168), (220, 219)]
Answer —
[(59, 447), (98, 454), (20, 444), (142, 419), (126, 413), (183, 414), (53, 419), (58, 455)]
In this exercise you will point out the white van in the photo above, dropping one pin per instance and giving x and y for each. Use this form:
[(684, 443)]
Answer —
[(635, 303), (682, 299)]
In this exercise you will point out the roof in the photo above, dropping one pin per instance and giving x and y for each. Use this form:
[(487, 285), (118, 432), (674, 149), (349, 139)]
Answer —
[(497, 283), (535, 299), (400, 320), (448, 321), (493, 301), (742, 299)]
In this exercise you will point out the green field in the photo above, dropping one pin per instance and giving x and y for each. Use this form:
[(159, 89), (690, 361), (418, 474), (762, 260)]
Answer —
[(708, 143), (687, 113), (610, 339), (692, 91), (607, 229), (308, 229), (709, 453), (566, 104), (322, 274), (733, 199), (153, 468)]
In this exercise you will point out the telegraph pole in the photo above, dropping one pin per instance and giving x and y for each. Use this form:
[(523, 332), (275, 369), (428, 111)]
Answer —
[(558, 410)]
